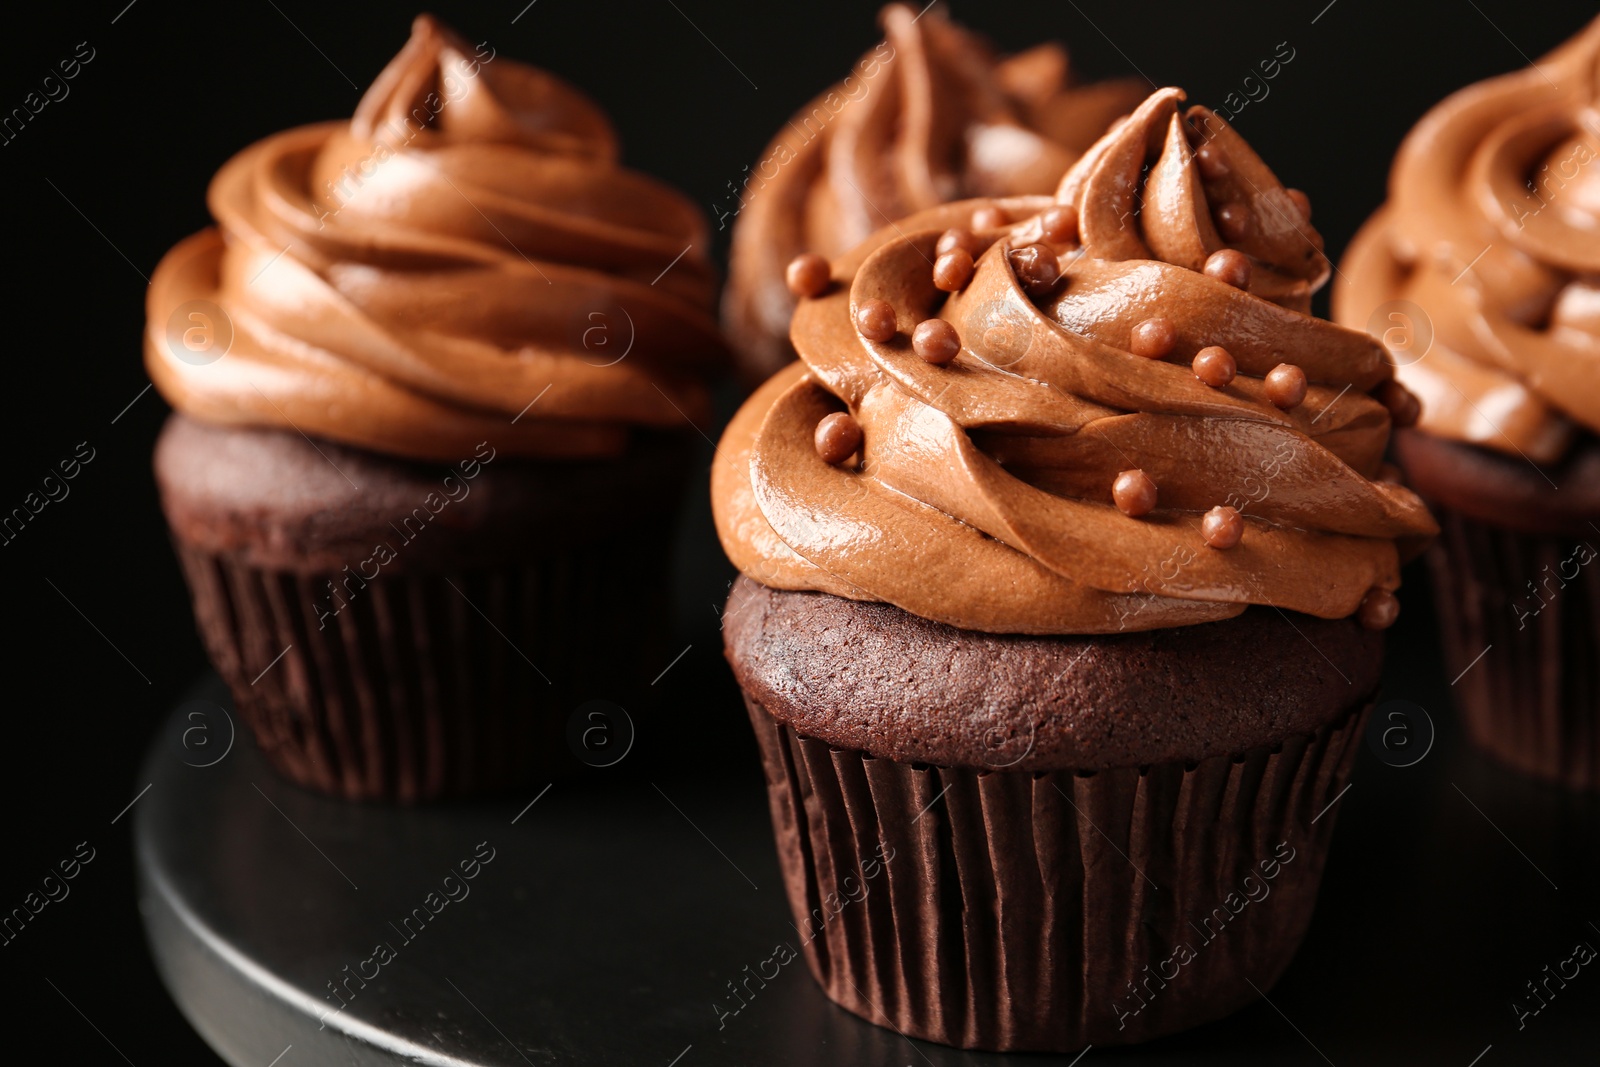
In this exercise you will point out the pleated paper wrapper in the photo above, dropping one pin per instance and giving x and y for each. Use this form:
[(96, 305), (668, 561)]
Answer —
[(433, 683), (1012, 910), (1520, 636)]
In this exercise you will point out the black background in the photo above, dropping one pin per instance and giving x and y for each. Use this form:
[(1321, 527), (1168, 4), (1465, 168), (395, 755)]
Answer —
[(99, 185)]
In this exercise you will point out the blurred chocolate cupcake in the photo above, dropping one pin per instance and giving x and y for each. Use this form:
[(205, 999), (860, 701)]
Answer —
[(1482, 273), (1065, 553), (931, 114), (432, 369)]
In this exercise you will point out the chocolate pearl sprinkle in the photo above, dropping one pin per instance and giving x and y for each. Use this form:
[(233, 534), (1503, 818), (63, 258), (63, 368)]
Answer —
[(1153, 338), (837, 437), (1213, 164), (1404, 407), (1379, 609), (953, 270), (1036, 268), (936, 341), (989, 218), (956, 237), (1286, 385), (1230, 266), (1060, 224), (1302, 203), (1233, 222), (875, 320), (1222, 527), (808, 275), (1215, 366), (1134, 493)]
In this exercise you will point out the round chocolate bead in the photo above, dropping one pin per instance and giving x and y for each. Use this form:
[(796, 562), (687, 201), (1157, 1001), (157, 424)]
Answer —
[(1229, 265), (875, 320), (1036, 268), (1060, 224), (936, 341), (1153, 338), (1134, 493), (837, 438), (1379, 609), (1286, 385), (808, 275), (989, 218), (1213, 164), (1233, 222), (1215, 366), (953, 270), (956, 237), (1222, 527)]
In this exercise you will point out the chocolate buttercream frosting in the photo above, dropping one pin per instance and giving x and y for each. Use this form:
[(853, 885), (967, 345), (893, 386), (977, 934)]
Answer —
[(932, 114), (1483, 268), (464, 260), (987, 490)]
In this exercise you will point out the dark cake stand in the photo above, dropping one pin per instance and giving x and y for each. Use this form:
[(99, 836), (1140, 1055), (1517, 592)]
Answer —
[(636, 916)]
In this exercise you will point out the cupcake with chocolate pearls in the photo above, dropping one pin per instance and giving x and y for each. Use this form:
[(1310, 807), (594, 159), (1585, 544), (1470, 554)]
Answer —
[(1483, 273), (432, 369), (930, 114), (1066, 553)]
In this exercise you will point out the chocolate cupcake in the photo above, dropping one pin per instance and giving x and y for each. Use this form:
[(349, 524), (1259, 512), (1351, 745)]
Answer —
[(1482, 272), (1065, 549), (433, 370), (932, 114)]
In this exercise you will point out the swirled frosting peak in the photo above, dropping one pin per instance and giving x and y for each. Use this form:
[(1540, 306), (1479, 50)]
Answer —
[(1102, 411), (462, 260), (931, 114), (1483, 269)]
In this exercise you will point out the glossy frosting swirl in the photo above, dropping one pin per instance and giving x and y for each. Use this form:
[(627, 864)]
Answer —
[(983, 496), (412, 280), (930, 115), (1489, 246)]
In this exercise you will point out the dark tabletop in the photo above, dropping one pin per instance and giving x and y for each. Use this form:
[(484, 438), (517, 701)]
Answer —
[(605, 916)]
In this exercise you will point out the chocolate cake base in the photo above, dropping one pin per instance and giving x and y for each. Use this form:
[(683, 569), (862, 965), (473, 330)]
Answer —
[(1124, 838), (1515, 580), (408, 631)]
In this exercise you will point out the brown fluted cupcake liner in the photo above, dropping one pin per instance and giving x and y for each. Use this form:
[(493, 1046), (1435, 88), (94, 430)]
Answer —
[(1012, 911), (1518, 616), (434, 683)]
